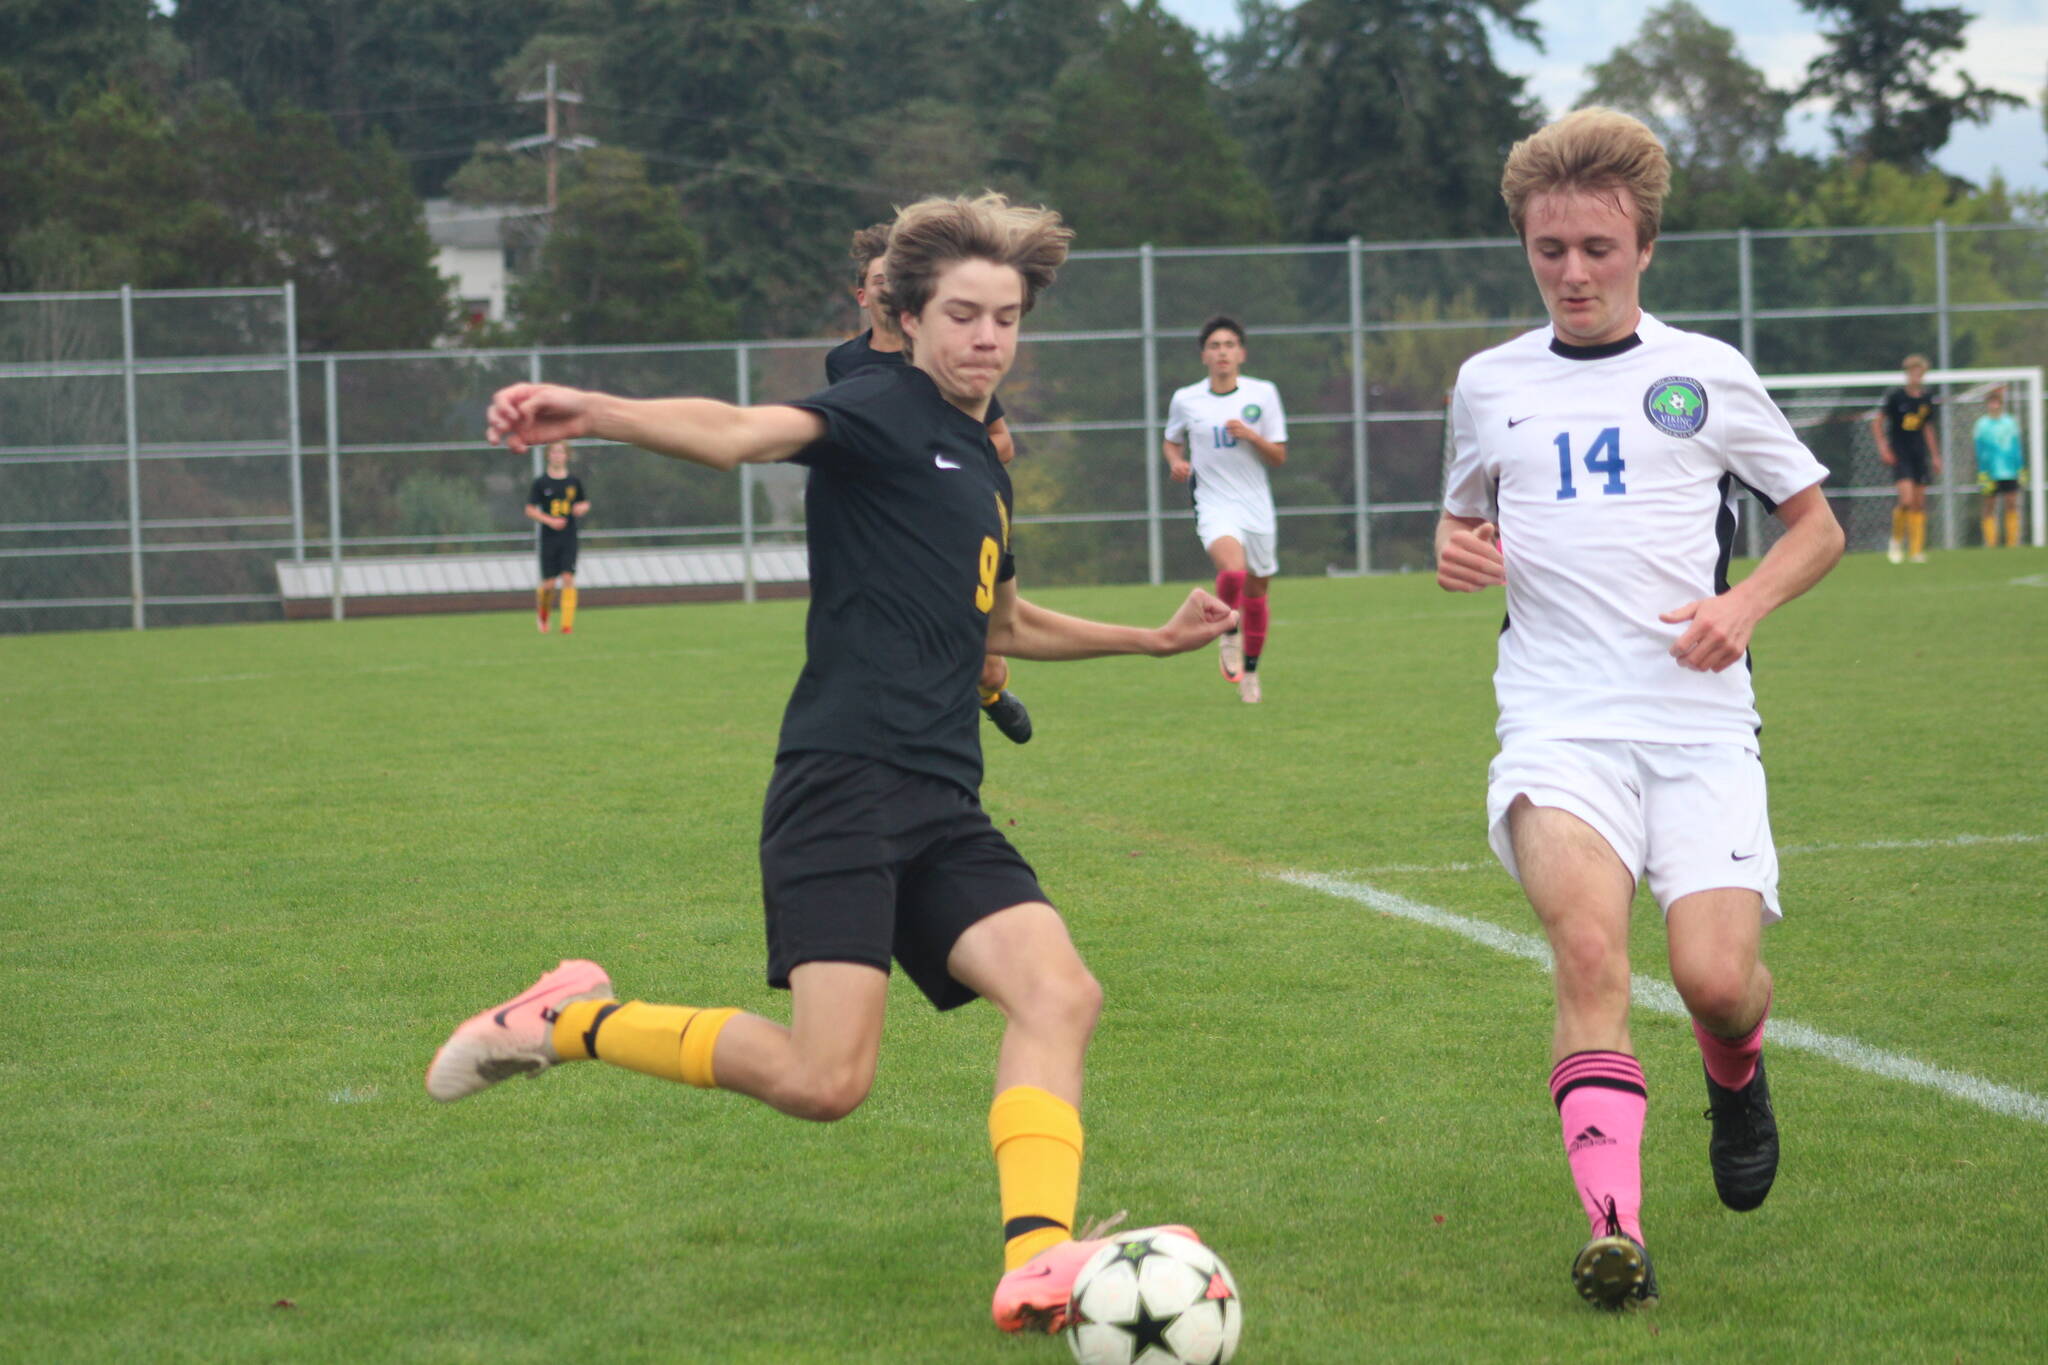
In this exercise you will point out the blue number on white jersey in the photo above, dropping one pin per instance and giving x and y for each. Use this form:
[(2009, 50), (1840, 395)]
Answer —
[(1603, 458)]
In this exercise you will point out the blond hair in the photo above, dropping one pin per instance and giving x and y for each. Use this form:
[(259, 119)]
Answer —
[(1915, 361), (1590, 149), (932, 234)]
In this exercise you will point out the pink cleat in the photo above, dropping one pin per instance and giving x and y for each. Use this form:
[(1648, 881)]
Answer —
[(1034, 1296), (1230, 655), (515, 1038)]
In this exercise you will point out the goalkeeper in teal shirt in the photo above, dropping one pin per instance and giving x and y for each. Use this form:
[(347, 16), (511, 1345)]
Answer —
[(1997, 437)]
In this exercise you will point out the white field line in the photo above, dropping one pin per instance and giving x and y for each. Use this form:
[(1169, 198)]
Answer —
[(1786, 851), (1661, 997)]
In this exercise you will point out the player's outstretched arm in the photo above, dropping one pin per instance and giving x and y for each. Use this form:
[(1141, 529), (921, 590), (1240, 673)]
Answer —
[(1721, 626), (1468, 556), (701, 430), (1023, 630)]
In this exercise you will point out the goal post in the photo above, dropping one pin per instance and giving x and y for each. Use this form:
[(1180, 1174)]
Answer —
[(1832, 415)]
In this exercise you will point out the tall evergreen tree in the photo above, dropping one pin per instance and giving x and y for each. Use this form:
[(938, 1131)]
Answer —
[(52, 45), (1138, 154), (619, 266), (747, 104), (1878, 76), (1382, 118)]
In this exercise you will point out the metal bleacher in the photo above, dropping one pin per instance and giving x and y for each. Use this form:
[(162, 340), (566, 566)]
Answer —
[(482, 582)]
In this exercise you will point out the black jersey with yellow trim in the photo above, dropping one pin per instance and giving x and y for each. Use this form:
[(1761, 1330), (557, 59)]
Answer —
[(558, 498), (907, 515), (1907, 414)]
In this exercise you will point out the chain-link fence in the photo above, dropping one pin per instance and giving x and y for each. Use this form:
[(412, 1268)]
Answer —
[(168, 453)]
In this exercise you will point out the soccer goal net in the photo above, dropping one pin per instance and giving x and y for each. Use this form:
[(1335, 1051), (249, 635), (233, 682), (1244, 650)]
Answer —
[(1832, 413)]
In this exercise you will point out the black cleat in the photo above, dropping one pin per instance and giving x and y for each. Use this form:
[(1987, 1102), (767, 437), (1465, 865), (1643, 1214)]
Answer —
[(1613, 1271), (1744, 1148), (1010, 717)]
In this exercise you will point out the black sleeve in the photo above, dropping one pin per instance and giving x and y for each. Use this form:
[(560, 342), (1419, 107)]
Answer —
[(582, 489), (534, 494), (835, 366), (859, 430)]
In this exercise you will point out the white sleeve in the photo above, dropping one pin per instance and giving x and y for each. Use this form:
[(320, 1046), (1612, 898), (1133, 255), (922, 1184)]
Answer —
[(1758, 445), (1469, 490), (1176, 422), (1273, 422)]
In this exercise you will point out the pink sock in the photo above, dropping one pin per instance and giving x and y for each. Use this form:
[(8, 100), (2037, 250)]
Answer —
[(1601, 1101), (1732, 1061), (1256, 618), (1230, 586)]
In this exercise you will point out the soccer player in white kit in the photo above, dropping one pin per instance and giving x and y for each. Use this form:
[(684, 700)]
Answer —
[(1594, 474), (1222, 435)]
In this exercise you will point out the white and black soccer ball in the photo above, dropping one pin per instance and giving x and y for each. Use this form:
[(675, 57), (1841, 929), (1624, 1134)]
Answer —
[(1153, 1297)]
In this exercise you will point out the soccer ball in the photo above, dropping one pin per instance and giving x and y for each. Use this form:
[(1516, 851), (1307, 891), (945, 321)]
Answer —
[(1154, 1298)]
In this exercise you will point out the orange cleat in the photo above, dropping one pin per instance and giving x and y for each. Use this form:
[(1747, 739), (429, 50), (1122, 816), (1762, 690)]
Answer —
[(1034, 1296), (515, 1038)]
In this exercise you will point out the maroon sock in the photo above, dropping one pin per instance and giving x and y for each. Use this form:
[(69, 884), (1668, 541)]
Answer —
[(1257, 616), (1230, 586), (1601, 1103)]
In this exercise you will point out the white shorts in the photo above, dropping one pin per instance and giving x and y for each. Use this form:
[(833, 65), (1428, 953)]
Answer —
[(1261, 548), (1695, 817)]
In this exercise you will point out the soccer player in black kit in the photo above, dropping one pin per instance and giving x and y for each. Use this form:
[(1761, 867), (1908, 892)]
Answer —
[(558, 499), (882, 344), (874, 845)]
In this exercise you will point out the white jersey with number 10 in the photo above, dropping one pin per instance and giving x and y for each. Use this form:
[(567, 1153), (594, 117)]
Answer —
[(1228, 470)]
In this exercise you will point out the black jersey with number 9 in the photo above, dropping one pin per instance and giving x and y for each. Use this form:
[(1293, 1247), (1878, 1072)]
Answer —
[(908, 513)]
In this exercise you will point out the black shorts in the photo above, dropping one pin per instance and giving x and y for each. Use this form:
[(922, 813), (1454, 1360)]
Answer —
[(2004, 486), (862, 861), (1912, 457), (557, 554)]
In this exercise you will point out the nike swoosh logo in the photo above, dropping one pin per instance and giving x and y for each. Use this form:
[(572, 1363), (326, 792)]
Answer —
[(1741, 857), (1517, 421), (500, 1015), (943, 463)]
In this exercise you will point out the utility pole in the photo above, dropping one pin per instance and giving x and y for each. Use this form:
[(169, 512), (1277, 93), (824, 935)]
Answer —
[(553, 139)]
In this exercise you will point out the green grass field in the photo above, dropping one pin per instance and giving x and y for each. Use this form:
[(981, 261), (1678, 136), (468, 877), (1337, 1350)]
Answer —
[(253, 875)]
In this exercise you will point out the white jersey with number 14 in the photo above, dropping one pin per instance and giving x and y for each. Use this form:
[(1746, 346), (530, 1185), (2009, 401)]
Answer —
[(1613, 476)]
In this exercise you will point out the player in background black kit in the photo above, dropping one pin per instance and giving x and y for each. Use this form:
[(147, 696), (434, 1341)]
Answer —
[(558, 499), (874, 844), (882, 344), (1904, 428)]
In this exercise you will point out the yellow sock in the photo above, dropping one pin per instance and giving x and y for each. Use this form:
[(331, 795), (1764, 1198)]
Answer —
[(569, 607), (1037, 1141), (1899, 522), (1990, 529), (990, 697), (2012, 526), (1916, 533), (674, 1042)]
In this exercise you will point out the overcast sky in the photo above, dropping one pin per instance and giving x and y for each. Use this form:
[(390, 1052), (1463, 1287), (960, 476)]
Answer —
[(2007, 50)]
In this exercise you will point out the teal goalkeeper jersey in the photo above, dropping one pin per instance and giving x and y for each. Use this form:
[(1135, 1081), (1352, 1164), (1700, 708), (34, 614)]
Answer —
[(1998, 447)]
